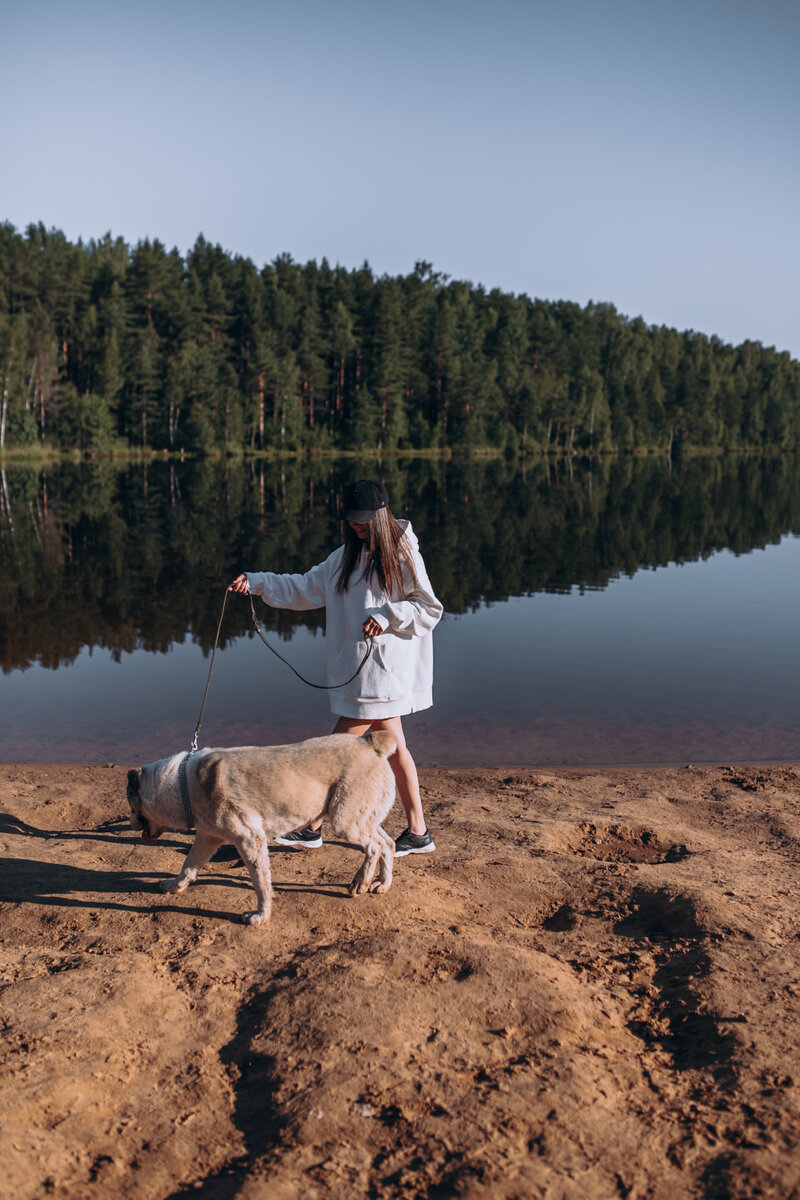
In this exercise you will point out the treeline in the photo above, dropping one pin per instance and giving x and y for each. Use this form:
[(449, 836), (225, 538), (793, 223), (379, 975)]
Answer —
[(104, 345), (127, 556)]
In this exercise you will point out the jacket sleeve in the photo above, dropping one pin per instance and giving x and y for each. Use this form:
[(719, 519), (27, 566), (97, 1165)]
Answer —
[(417, 614), (299, 592)]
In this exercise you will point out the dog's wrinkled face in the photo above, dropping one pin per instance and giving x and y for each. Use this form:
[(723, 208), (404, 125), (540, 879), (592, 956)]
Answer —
[(139, 821)]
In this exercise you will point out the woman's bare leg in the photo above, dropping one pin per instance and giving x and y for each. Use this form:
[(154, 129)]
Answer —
[(352, 725)]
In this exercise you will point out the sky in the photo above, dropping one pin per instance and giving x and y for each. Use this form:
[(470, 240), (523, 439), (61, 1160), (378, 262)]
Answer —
[(622, 151)]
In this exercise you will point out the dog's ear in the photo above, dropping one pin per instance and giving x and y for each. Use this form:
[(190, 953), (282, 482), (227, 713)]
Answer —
[(133, 783)]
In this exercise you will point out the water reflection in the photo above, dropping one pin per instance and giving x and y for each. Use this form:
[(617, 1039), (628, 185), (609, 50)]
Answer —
[(561, 667)]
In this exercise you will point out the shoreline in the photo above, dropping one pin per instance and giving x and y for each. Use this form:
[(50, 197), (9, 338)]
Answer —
[(552, 768), (46, 456)]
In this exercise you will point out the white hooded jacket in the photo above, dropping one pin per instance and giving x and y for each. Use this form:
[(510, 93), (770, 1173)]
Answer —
[(398, 676)]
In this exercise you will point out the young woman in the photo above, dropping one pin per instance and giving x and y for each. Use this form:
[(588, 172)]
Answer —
[(374, 586)]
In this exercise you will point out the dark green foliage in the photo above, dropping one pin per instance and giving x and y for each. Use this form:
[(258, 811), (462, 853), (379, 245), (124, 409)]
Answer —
[(208, 354)]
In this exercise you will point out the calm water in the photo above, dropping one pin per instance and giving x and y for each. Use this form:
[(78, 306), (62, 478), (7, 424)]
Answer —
[(627, 613)]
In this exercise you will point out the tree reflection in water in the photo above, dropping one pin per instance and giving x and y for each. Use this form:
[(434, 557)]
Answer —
[(137, 556)]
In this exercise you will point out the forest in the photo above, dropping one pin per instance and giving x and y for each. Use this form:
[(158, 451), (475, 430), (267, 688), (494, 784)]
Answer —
[(110, 347)]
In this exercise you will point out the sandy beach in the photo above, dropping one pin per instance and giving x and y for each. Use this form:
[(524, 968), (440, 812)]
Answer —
[(591, 989)]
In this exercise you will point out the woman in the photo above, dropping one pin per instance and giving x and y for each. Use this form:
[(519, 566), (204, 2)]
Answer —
[(374, 586)]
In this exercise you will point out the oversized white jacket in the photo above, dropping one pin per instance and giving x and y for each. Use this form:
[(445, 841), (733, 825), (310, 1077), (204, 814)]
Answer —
[(398, 676)]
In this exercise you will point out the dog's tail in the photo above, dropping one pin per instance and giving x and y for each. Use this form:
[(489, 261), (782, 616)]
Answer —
[(383, 742)]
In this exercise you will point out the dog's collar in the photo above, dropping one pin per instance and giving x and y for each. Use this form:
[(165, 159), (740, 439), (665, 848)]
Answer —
[(184, 786)]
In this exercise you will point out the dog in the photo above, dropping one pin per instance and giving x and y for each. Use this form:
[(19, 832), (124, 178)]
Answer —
[(249, 795)]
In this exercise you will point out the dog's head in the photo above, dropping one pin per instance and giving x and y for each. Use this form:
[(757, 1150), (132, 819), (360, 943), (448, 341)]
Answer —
[(140, 821)]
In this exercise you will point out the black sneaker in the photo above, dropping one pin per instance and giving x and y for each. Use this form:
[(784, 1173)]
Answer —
[(413, 843), (306, 839)]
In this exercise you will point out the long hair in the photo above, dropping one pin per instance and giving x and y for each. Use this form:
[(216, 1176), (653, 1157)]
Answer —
[(387, 552)]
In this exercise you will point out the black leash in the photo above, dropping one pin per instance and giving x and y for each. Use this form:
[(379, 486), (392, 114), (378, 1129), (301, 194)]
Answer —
[(320, 686), (325, 687), (193, 746)]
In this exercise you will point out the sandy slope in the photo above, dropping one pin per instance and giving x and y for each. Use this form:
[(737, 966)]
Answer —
[(590, 990)]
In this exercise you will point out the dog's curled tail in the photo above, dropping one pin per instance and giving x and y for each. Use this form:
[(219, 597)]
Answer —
[(383, 742)]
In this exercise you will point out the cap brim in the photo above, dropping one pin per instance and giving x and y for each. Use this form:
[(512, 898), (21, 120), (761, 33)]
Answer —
[(360, 516)]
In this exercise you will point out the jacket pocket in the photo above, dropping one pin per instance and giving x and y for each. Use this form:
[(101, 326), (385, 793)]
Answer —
[(375, 680)]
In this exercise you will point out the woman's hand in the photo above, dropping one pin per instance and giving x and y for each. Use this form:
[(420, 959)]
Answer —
[(372, 628), (239, 585)]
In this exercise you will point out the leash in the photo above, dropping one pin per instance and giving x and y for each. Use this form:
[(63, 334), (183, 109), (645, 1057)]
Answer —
[(182, 781), (193, 746), (320, 686), (325, 687)]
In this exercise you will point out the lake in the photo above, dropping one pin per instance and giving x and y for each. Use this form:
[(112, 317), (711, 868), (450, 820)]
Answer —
[(625, 610)]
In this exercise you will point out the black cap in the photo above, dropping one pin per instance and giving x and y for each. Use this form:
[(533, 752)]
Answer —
[(362, 500)]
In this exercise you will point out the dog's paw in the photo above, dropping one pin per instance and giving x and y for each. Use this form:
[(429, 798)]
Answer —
[(255, 918), (172, 885)]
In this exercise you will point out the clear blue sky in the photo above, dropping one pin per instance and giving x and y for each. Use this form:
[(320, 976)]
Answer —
[(643, 154)]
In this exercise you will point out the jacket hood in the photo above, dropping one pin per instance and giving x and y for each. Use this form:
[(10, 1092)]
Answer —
[(409, 532)]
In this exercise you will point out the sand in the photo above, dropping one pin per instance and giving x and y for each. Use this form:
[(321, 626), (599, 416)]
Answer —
[(591, 989)]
